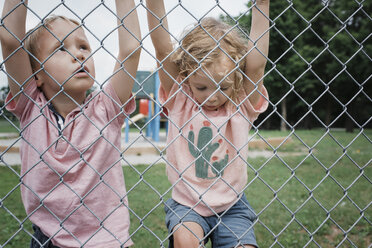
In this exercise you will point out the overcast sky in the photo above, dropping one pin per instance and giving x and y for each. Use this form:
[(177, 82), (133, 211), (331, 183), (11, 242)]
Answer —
[(99, 21)]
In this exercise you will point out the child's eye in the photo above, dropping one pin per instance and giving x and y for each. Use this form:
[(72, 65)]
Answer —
[(85, 48), (201, 88), (62, 48), (225, 88)]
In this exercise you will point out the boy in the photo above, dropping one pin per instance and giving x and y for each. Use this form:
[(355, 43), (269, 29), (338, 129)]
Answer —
[(72, 183)]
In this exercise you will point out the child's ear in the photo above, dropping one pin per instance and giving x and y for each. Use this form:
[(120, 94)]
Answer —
[(38, 80)]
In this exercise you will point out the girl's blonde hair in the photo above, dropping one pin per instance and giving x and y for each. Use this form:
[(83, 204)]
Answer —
[(205, 43), (33, 37)]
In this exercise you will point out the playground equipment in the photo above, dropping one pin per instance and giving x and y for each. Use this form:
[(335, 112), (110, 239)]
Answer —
[(143, 113), (146, 90)]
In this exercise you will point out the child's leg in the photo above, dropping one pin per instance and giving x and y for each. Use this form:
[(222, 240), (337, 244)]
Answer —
[(40, 240), (234, 227), (187, 235), (186, 227)]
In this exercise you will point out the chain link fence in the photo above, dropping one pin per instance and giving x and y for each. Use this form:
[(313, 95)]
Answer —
[(310, 183)]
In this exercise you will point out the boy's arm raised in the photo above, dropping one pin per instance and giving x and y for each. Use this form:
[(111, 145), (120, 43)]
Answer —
[(159, 32), (129, 49), (258, 47), (12, 34)]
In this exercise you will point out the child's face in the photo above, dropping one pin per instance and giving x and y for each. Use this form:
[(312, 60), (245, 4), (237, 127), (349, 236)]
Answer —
[(206, 91), (70, 65)]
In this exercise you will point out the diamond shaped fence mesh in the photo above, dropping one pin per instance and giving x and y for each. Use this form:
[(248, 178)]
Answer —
[(101, 173)]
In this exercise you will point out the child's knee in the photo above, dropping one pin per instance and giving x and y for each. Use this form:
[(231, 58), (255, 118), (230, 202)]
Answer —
[(249, 246), (188, 234)]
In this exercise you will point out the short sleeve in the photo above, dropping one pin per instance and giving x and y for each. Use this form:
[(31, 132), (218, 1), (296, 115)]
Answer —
[(27, 96), (113, 104), (252, 112), (178, 98)]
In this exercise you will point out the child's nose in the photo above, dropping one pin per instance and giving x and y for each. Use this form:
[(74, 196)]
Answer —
[(79, 56), (213, 97)]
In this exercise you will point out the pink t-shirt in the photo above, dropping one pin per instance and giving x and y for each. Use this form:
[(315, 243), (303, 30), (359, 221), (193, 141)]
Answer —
[(73, 185), (207, 150)]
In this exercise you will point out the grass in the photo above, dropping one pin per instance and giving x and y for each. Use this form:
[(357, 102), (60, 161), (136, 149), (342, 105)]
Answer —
[(8, 127), (318, 196), (12, 126)]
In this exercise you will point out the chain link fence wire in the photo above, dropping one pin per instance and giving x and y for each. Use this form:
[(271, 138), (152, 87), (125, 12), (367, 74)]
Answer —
[(310, 183)]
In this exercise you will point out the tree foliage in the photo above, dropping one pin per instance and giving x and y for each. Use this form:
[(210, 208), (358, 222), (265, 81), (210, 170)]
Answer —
[(319, 64)]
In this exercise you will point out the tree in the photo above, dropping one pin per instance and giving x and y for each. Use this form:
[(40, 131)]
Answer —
[(3, 112), (351, 48), (319, 58)]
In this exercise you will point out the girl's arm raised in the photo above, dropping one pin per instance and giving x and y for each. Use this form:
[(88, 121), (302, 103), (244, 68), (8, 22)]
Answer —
[(129, 49), (12, 34), (258, 46), (158, 26)]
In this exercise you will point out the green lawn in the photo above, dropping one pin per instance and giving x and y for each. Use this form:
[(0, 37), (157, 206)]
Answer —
[(310, 198), (8, 127), (12, 126)]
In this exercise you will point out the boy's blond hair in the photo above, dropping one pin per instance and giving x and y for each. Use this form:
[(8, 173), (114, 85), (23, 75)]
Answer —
[(33, 36), (205, 44)]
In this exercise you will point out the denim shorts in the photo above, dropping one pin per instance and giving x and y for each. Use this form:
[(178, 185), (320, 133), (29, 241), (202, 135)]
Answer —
[(40, 240), (225, 230)]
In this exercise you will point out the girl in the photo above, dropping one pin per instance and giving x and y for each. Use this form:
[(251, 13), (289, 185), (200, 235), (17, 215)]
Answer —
[(212, 88)]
